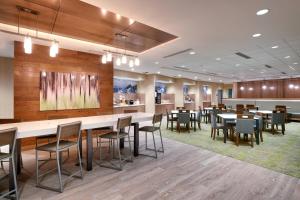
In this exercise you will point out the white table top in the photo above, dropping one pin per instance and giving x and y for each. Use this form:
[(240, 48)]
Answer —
[(261, 111), (230, 116), (46, 127), (177, 111)]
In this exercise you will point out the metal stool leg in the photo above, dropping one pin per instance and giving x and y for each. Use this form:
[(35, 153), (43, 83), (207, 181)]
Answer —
[(130, 151), (154, 145), (119, 153), (146, 139), (59, 171), (161, 140), (15, 177), (80, 161)]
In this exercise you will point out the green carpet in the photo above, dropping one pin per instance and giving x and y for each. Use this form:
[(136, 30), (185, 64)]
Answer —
[(278, 152)]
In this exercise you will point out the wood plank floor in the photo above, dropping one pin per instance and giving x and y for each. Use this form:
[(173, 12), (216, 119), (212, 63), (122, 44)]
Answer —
[(182, 172)]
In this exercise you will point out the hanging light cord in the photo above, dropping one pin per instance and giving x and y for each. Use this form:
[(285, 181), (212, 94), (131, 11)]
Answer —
[(54, 22)]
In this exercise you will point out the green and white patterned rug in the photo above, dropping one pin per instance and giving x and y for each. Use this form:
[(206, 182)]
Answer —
[(278, 152)]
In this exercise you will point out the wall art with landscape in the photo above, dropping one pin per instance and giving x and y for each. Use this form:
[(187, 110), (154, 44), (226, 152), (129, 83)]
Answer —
[(62, 91)]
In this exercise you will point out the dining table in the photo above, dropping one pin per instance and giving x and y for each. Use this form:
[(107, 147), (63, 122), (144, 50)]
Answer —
[(47, 127), (193, 115), (232, 116)]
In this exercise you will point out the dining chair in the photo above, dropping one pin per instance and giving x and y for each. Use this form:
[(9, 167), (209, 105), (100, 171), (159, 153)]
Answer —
[(8, 137), (5, 149), (156, 124), (216, 126), (239, 108), (277, 118), (250, 106), (197, 119), (67, 137), (50, 138), (244, 125), (283, 108), (170, 119), (260, 118), (183, 118), (115, 136)]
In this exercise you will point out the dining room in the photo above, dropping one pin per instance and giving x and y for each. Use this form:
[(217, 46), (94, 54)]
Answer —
[(149, 99)]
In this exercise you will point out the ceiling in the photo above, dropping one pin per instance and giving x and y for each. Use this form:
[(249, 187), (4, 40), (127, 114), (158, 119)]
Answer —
[(79, 20), (215, 29)]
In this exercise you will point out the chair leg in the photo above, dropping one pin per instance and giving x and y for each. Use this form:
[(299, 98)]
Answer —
[(119, 154), (146, 140), (59, 171), (15, 177), (199, 125), (237, 139), (252, 140), (214, 136), (171, 125), (37, 167), (154, 145), (211, 132), (100, 146), (161, 140), (261, 136), (80, 161), (130, 150), (283, 128)]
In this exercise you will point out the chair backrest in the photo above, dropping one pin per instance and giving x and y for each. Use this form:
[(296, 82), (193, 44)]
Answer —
[(239, 106), (124, 122), (278, 117), (157, 118), (8, 137), (221, 105), (250, 106), (213, 119), (280, 107), (260, 117), (245, 125), (183, 117), (69, 131), (130, 111)]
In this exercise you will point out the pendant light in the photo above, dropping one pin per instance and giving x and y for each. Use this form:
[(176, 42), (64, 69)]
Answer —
[(103, 60), (137, 61), (109, 57), (131, 64), (27, 44), (124, 59), (53, 49), (118, 62)]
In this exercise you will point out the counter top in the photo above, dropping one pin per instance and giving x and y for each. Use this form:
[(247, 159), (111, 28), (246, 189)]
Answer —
[(123, 106), (164, 104)]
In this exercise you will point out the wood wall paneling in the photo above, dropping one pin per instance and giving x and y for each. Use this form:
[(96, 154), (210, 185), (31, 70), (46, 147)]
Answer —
[(27, 77), (277, 88)]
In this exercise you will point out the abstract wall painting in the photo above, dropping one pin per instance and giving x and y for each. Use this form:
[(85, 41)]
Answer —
[(63, 91)]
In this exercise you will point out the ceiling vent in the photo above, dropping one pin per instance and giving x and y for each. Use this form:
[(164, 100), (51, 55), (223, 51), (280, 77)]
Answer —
[(243, 55), (283, 73), (268, 66), (177, 53)]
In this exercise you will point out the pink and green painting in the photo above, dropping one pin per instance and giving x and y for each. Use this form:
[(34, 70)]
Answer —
[(63, 91)]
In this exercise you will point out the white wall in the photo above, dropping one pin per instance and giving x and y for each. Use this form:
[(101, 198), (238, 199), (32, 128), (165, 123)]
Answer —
[(6, 88)]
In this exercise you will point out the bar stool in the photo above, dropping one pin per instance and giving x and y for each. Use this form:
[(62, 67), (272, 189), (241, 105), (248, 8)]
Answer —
[(121, 133), (68, 136), (157, 118), (8, 137)]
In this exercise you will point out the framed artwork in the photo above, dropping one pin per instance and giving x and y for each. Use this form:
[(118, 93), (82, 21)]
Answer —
[(63, 91)]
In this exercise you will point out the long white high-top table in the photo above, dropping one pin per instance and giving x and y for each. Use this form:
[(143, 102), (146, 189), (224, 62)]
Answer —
[(46, 127)]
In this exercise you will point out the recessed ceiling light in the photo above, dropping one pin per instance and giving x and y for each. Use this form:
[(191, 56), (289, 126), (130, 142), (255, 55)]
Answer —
[(256, 35), (192, 52), (183, 66), (220, 80), (131, 21), (237, 65), (196, 77), (132, 69), (218, 59), (179, 75), (209, 79), (158, 72), (118, 16), (295, 63), (275, 47), (103, 11), (286, 57), (262, 12), (156, 62), (262, 72)]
